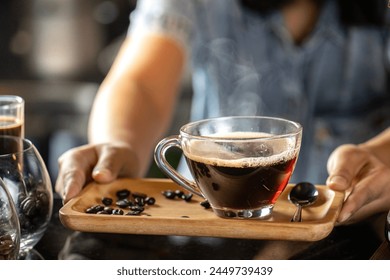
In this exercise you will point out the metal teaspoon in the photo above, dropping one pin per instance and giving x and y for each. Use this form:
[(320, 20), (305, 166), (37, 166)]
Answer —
[(302, 195)]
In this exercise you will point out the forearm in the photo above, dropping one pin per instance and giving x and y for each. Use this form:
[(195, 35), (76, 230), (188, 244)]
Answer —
[(123, 112), (136, 101), (380, 146)]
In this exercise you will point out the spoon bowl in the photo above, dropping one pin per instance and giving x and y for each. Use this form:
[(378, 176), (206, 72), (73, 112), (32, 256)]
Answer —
[(302, 194)]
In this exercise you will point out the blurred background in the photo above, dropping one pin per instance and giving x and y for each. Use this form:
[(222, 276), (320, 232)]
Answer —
[(55, 53)]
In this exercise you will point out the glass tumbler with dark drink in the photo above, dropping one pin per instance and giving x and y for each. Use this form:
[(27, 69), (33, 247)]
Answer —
[(240, 165), (12, 115)]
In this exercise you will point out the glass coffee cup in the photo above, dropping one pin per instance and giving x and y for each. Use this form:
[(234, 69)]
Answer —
[(240, 165)]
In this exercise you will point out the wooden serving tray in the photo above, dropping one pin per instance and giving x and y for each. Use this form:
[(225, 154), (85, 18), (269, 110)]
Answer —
[(178, 217)]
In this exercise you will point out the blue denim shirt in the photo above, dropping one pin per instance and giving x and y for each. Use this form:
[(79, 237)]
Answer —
[(334, 84)]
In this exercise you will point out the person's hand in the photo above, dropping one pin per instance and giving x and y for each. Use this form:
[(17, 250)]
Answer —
[(364, 178), (102, 163)]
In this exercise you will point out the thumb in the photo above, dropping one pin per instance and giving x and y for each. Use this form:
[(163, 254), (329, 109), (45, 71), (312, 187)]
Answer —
[(343, 166)]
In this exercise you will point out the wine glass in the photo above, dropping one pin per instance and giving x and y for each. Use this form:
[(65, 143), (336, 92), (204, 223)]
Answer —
[(27, 180), (9, 226)]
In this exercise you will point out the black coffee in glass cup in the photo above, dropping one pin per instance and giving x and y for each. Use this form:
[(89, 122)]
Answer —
[(241, 165)]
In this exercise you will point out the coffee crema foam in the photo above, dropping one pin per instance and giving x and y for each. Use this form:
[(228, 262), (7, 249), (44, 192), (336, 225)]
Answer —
[(216, 153), (9, 122)]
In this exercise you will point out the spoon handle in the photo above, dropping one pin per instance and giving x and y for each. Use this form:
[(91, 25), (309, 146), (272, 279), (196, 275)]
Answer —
[(297, 215)]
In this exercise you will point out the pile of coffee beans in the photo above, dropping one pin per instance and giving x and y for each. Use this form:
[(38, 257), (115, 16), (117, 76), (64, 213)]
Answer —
[(7, 247), (131, 203), (126, 202)]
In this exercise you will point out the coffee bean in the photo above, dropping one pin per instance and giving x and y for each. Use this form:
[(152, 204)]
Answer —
[(179, 193), (124, 193), (205, 204), (123, 203), (137, 208), (133, 213), (150, 200), (107, 201), (139, 201), (169, 194), (103, 212), (117, 212), (187, 197), (108, 209), (94, 209), (138, 194)]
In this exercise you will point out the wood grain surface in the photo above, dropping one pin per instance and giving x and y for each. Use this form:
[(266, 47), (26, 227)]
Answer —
[(177, 217)]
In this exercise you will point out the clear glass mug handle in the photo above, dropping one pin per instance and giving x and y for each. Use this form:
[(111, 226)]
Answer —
[(159, 156)]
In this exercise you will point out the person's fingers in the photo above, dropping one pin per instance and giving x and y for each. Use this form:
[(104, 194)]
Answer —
[(363, 177), (102, 163), (368, 195), (71, 184), (108, 166), (344, 164), (113, 162), (75, 168)]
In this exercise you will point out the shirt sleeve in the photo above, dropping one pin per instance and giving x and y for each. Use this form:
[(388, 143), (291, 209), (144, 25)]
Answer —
[(172, 18)]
